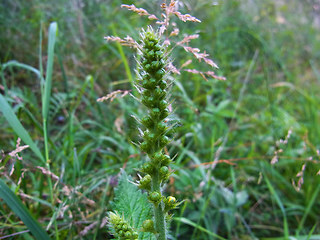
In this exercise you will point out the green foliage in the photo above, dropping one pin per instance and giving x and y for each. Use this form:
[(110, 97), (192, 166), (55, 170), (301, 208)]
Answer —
[(270, 49), (20, 210), (153, 84), (16, 125), (121, 227), (129, 201), (46, 87)]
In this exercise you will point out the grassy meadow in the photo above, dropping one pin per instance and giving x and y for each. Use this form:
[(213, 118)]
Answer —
[(247, 149)]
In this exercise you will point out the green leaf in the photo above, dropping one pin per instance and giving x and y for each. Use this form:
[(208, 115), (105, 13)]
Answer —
[(22, 65), (123, 58), (308, 209), (19, 209), (232, 198), (304, 237), (132, 203), (53, 30), (279, 202), (17, 126), (187, 221)]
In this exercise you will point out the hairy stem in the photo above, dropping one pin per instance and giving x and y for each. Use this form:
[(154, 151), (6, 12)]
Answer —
[(160, 223)]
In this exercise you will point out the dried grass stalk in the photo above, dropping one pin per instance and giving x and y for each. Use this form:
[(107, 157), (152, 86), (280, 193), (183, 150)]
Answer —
[(140, 11), (113, 95), (127, 41)]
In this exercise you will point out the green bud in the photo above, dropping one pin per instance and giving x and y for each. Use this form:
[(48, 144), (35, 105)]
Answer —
[(147, 101), (165, 160), (164, 173), (160, 73), (159, 94), (159, 54), (135, 235), (155, 197), (145, 182), (147, 66), (164, 140), (148, 226), (147, 122), (145, 147), (164, 114), (147, 168), (163, 105), (161, 128), (170, 203), (157, 48), (150, 102), (151, 53), (149, 136), (125, 227), (155, 65), (149, 83), (147, 93), (164, 170), (163, 84), (144, 62), (157, 157), (128, 234), (155, 113)]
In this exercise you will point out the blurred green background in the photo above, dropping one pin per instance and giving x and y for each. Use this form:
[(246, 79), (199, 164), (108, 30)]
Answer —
[(230, 131)]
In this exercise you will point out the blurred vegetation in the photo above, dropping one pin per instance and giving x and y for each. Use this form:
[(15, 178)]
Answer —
[(230, 131)]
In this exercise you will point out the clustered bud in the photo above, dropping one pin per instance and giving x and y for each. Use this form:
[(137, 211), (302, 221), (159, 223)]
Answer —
[(152, 83), (153, 86), (122, 228)]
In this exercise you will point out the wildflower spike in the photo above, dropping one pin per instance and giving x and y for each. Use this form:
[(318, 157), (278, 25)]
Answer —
[(153, 86)]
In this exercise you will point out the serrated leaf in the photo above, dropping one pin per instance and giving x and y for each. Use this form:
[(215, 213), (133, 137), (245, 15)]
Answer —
[(130, 202)]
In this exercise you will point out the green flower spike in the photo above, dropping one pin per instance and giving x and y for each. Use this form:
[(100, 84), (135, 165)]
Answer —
[(152, 83)]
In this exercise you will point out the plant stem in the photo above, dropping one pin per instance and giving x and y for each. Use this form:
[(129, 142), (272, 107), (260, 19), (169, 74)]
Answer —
[(46, 148), (160, 223)]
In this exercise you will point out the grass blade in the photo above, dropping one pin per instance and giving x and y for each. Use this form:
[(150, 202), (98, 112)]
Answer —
[(53, 30), (187, 221), (304, 237), (46, 90), (277, 198), (311, 232), (21, 65), (19, 209), (306, 213), (123, 58), (16, 125)]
